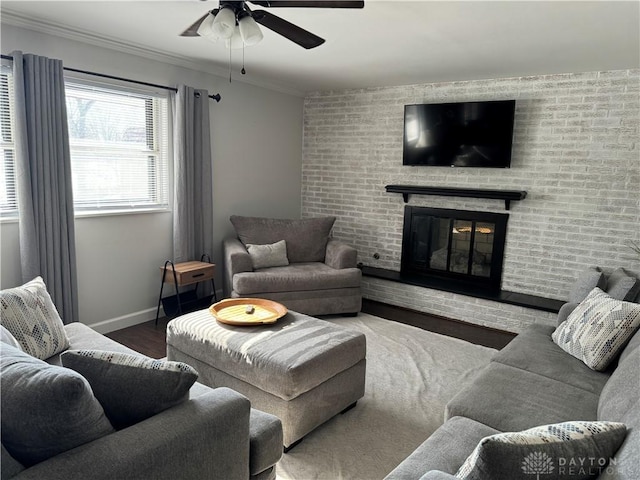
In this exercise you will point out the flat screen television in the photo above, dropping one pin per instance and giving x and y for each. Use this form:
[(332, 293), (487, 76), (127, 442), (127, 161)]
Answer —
[(466, 134)]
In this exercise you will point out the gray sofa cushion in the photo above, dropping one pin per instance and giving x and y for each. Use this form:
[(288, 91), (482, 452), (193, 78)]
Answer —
[(446, 449), (620, 402), (622, 285), (9, 465), (511, 399), (297, 277), (30, 315), (588, 280), (519, 455), (622, 391), (534, 351), (46, 410), (131, 388), (306, 239)]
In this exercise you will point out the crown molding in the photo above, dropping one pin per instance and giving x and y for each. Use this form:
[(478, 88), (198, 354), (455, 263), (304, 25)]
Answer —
[(63, 31)]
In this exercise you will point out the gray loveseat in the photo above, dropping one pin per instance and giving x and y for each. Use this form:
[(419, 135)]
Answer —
[(534, 382), (214, 434), (294, 262)]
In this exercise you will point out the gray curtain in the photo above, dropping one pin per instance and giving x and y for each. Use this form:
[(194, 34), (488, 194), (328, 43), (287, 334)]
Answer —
[(43, 171), (193, 191)]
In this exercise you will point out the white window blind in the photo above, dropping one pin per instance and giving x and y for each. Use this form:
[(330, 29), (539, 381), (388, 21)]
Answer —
[(119, 147), (8, 205)]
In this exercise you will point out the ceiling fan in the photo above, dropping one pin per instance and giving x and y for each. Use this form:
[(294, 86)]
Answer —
[(235, 22)]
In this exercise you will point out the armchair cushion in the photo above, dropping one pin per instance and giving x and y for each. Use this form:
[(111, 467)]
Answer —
[(296, 277), (131, 388), (46, 409), (306, 239)]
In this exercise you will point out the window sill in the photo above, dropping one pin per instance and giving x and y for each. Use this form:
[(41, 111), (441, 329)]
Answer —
[(115, 212), (100, 213)]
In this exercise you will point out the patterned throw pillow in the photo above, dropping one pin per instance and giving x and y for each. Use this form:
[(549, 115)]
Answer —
[(569, 450), (29, 314), (272, 255), (598, 328), (131, 388)]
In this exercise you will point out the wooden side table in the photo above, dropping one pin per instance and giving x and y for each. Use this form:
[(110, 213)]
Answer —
[(181, 275)]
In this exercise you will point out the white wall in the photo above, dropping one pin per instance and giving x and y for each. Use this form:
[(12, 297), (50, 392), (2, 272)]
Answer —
[(256, 146), (575, 152)]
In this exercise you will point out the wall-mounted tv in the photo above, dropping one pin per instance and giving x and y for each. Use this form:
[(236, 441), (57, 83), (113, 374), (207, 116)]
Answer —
[(466, 134)]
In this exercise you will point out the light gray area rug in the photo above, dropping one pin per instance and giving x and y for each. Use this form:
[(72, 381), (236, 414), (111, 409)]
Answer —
[(411, 375)]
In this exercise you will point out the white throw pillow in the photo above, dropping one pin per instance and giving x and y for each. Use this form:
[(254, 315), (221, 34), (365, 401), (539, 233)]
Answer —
[(31, 317), (272, 255), (6, 337), (597, 329)]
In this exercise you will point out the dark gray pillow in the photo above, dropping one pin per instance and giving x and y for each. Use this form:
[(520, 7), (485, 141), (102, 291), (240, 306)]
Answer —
[(588, 280), (623, 286), (541, 451), (306, 239), (46, 409), (131, 388)]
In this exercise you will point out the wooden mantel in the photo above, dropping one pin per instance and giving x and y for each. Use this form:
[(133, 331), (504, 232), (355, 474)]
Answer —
[(506, 195)]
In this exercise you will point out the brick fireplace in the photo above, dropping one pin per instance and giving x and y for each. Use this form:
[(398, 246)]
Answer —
[(575, 151)]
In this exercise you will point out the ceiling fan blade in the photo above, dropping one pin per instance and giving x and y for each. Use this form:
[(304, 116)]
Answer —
[(192, 31), (288, 30), (308, 4)]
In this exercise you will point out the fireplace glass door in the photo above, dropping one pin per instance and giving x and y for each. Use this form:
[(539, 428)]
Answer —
[(455, 244)]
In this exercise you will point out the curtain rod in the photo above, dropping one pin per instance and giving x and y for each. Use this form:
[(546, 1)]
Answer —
[(215, 97)]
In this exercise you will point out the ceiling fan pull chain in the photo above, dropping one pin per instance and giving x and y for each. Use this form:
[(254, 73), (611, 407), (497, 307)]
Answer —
[(243, 71), (229, 63)]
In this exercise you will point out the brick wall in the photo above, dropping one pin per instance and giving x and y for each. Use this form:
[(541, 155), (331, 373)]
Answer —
[(576, 152)]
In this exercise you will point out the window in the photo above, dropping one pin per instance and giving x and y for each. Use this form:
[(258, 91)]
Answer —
[(118, 144), (8, 205), (119, 147)]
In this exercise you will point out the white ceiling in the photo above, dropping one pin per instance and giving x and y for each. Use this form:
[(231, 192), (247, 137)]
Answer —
[(386, 43)]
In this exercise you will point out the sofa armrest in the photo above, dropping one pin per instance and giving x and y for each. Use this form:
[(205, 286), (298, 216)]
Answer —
[(205, 437), (340, 255), (265, 432), (236, 260)]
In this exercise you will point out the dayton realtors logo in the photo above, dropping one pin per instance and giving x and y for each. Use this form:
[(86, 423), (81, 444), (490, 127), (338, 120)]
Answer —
[(539, 463)]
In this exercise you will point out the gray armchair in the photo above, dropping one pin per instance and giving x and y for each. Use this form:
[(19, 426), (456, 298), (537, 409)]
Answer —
[(309, 272)]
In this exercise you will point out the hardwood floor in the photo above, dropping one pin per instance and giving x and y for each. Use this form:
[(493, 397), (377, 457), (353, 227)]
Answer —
[(150, 339), (146, 338)]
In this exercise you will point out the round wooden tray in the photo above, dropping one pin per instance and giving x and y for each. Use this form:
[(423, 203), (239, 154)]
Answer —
[(233, 311)]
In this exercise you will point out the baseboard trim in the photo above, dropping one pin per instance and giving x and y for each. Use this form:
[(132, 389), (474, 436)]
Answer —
[(129, 320), (478, 334)]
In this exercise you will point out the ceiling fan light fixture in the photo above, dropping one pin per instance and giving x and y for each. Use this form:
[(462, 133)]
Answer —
[(206, 28), (235, 41), (250, 31), (224, 23)]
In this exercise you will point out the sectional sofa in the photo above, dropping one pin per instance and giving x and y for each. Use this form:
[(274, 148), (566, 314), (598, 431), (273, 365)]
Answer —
[(534, 382), (212, 433)]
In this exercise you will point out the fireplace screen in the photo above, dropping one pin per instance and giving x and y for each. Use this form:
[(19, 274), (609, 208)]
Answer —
[(455, 244)]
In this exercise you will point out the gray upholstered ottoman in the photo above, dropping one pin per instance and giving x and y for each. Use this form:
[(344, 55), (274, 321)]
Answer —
[(301, 369)]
